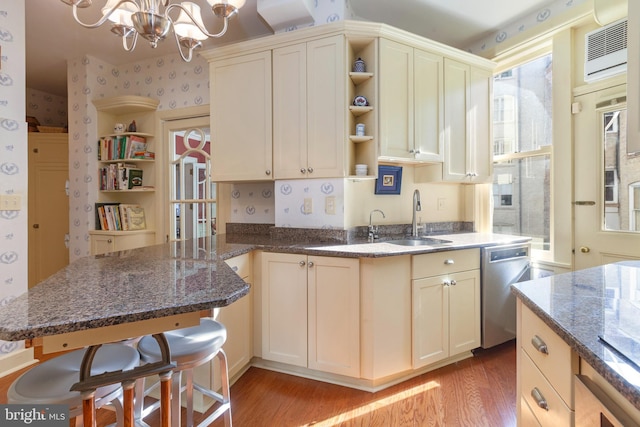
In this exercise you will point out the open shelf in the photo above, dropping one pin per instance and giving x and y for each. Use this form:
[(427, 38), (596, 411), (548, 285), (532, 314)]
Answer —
[(358, 111), (359, 139), (358, 78)]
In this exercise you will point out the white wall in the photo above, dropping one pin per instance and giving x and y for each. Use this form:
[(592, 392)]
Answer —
[(13, 157)]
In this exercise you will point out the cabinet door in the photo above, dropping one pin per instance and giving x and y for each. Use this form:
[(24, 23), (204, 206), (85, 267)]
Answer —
[(290, 112), (456, 98), (284, 308), (428, 106), (241, 118), (430, 321), (237, 318), (480, 126), (396, 100), (464, 312), (326, 83), (334, 310)]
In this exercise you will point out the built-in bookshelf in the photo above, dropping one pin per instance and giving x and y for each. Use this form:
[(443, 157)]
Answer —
[(125, 175)]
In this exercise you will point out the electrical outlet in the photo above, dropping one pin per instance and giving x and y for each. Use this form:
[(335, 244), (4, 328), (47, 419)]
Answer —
[(308, 205), (9, 202), (442, 204), (330, 205)]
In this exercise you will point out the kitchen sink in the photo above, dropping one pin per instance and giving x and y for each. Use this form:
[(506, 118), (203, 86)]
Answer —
[(420, 241)]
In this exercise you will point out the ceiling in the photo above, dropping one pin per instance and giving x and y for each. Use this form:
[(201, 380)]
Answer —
[(53, 36)]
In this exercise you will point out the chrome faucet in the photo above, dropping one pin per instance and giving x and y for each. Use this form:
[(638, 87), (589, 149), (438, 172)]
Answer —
[(416, 207), (373, 229)]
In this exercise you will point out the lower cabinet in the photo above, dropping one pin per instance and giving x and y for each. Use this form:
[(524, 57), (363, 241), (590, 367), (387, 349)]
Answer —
[(311, 312), (546, 367), (103, 242), (237, 318), (446, 307)]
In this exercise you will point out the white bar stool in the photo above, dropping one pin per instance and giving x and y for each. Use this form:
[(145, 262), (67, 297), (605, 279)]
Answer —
[(49, 382), (190, 348)]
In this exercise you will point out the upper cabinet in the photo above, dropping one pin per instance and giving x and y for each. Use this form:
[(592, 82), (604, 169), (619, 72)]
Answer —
[(288, 106), (308, 106), (241, 119), (467, 126), (411, 103)]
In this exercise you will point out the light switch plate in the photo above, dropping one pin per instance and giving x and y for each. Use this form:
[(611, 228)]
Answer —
[(308, 205), (9, 202)]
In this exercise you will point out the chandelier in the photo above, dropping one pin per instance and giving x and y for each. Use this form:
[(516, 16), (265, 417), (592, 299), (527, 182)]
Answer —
[(151, 20)]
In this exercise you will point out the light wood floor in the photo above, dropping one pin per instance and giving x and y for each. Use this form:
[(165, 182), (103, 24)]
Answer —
[(479, 391)]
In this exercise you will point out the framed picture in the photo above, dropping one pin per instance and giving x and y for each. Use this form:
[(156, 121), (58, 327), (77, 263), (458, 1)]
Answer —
[(389, 179)]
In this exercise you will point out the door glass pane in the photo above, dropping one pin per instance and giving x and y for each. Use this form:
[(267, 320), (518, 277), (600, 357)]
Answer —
[(521, 199), (193, 195), (620, 174)]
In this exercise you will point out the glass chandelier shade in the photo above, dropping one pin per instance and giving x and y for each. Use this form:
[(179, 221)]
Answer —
[(154, 19)]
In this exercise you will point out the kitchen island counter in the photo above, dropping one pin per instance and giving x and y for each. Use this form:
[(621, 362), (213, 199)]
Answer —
[(584, 305)]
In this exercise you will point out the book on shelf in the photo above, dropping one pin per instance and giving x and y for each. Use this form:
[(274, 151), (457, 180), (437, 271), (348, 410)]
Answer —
[(134, 178), (111, 216), (136, 218), (120, 147)]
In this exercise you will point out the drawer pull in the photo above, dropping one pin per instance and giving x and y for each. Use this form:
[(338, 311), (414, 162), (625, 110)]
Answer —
[(448, 261), (539, 398), (539, 345)]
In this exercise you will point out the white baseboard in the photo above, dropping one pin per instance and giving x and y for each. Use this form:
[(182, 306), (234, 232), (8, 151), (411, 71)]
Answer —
[(12, 362)]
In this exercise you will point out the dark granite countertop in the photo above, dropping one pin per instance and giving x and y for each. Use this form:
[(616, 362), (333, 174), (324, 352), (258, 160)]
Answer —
[(175, 278), (582, 306)]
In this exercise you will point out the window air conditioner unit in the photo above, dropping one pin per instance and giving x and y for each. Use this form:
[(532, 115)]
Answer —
[(606, 51)]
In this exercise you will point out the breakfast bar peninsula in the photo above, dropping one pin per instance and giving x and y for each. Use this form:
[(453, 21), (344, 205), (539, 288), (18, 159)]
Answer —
[(125, 294)]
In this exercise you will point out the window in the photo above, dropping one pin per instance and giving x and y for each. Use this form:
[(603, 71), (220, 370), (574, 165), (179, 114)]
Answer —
[(634, 206), (610, 187), (523, 136)]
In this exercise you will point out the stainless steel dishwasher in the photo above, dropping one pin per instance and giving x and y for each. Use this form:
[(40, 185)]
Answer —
[(501, 266)]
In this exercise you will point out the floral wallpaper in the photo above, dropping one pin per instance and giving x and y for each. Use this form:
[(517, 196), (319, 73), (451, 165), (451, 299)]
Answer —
[(13, 157), (50, 110)]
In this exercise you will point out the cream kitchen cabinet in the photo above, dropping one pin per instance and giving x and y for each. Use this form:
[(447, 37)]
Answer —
[(103, 242), (467, 126), (241, 118), (546, 367), (446, 305), (467, 103), (310, 312), (308, 109), (411, 103), (237, 318)]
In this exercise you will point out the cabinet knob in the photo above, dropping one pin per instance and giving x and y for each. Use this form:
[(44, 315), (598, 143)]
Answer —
[(446, 283), (412, 151), (310, 170), (310, 264), (35, 150), (453, 283), (539, 398), (302, 263), (109, 241), (36, 225), (448, 262), (585, 249), (268, 172), (303, 170), (539, 344)]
